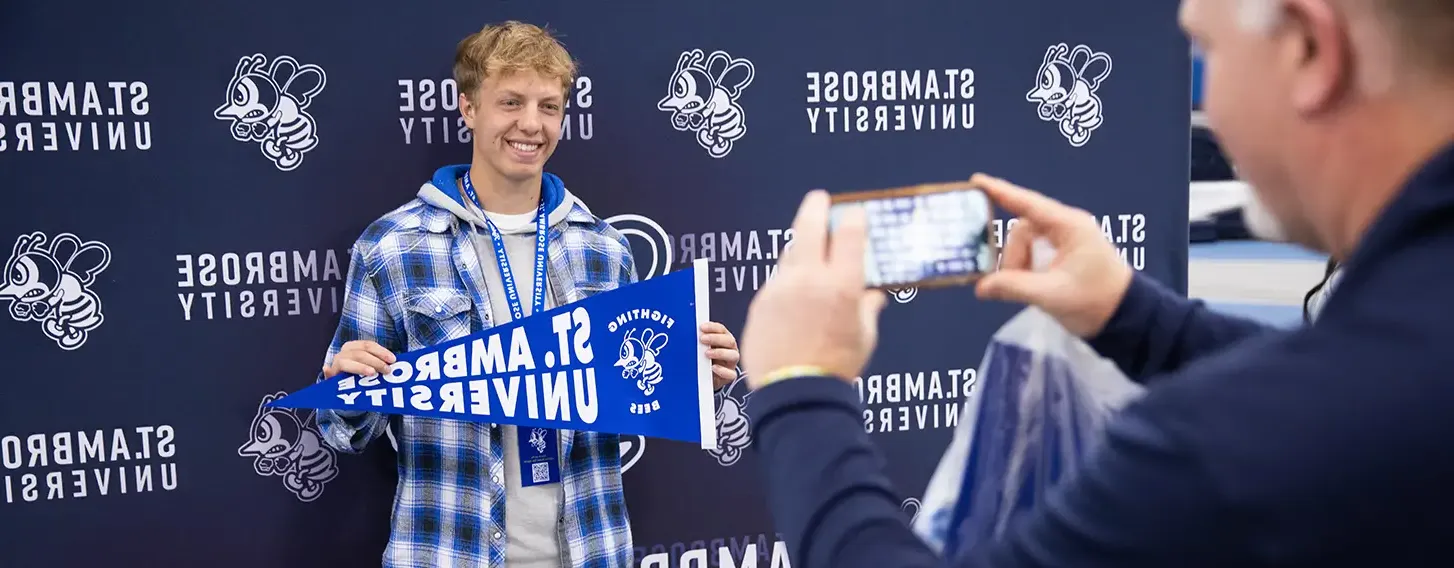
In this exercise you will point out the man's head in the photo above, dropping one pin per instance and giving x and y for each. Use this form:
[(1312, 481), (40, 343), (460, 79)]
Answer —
[(513, 81), (1325, 105)]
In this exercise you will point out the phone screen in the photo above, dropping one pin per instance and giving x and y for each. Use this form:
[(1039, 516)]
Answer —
[(923, 236)]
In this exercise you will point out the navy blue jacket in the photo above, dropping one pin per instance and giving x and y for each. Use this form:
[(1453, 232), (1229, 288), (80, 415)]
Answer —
[(1327, 445)]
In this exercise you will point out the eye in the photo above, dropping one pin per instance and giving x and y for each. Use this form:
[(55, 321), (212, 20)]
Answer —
[(18, 274), (1046, 80), (682, 87), (264, 430)]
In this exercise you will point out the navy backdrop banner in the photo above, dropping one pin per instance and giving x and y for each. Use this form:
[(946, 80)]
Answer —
[(170, 268)]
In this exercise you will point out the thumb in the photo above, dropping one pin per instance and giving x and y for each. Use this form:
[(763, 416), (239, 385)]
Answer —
[(869, 307), (1017, 286)]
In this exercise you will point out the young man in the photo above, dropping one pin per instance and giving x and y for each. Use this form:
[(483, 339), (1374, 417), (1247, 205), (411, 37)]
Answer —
[(465, 254)]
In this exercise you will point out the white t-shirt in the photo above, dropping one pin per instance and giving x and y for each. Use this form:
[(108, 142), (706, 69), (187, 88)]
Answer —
[(532, 514)]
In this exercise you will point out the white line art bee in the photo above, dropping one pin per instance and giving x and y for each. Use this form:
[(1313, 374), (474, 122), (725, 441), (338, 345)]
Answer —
[(1066, 90), (638, 359), (52, 285), (268, 107), (702, 97), (285, 445), (537, 440), (734, 431), (904, 295)]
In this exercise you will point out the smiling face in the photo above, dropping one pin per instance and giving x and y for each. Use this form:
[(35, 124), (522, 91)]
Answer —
[(513, 82), (516, 119)]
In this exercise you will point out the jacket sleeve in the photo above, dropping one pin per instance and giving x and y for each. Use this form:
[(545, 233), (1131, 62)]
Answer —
[(836, 508), (1156, 331), (627, 270), (364, 318)]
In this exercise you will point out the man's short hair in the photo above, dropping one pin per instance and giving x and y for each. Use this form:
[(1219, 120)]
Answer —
[(498, 50), (1423, 29)]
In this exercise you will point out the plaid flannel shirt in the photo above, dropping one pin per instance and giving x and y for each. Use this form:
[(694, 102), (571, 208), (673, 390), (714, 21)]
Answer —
[(414, 280)]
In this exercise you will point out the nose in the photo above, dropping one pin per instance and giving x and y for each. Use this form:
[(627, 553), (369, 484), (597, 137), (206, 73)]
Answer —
[(530, 121)]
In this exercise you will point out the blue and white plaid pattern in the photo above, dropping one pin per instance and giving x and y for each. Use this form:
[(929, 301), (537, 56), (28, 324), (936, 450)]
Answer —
[(412, 281)]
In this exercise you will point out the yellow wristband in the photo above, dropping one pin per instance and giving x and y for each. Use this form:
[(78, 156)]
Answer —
[(793, 372)]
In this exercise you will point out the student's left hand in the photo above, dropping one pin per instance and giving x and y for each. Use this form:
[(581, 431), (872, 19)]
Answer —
[(722, 350)]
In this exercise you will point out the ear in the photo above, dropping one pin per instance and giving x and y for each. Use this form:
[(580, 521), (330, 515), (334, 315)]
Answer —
[(1315, 46), (467, 110)]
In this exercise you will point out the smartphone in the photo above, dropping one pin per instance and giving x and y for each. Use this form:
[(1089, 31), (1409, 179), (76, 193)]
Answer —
[(923, 236)]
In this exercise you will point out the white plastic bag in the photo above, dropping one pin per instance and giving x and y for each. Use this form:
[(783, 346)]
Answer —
[(1040, 403)]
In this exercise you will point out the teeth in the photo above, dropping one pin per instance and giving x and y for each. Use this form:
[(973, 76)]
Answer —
[(524, 147)]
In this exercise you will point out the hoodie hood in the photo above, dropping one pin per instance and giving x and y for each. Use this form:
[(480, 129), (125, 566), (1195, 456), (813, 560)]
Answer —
[(442, 191)]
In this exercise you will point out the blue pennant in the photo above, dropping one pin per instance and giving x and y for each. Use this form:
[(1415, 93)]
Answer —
[(627, 361)]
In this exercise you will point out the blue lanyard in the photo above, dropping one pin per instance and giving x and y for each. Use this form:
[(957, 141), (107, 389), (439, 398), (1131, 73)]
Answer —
[(503, 260), (548, 458)]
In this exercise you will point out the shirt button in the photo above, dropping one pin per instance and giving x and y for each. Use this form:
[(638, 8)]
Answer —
[(439, 310), (497, 479), (497, 535)]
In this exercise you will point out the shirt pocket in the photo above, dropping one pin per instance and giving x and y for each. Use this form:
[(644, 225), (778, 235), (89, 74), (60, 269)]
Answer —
[(436, 315), (588, 289)]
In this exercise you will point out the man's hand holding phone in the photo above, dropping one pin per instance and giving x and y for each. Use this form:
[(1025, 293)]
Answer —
[(1082, 287), (820, 313)]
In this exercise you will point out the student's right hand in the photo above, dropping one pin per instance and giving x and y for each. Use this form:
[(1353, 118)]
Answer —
[(360, 357), (1082, 286)]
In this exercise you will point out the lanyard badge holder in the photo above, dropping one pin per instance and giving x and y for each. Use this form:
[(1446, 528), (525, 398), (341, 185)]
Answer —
[(539, 447)]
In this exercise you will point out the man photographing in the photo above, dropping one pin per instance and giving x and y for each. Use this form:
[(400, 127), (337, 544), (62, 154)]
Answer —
[(482, 244), (1326, 445)]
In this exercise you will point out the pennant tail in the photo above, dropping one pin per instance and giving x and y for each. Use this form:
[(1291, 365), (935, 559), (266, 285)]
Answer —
[(706, 412)]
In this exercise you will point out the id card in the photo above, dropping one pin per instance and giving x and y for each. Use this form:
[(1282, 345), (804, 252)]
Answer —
[(539, 456), (924, 236)]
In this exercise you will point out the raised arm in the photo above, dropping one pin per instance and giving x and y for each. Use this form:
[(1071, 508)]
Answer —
[(1155, 331), (836, 508)]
